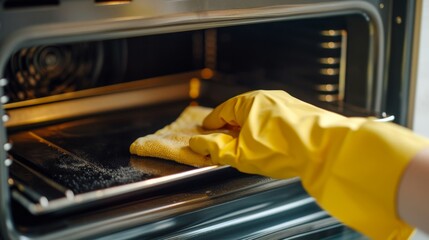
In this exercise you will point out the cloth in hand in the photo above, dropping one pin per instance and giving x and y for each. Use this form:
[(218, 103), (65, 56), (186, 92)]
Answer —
[(172, 141)]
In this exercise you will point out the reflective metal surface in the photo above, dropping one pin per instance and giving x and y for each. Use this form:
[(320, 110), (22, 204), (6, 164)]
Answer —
[(157, 17), (89, 158), (202, 204), (115, 97)]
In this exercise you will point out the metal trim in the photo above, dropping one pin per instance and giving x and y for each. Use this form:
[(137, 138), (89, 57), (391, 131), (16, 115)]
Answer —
[(75, 200), (182, 22), (117, 223), (414, 63), (109, 98)]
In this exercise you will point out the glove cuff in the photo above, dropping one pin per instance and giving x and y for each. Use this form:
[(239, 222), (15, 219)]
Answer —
[(364, 175)]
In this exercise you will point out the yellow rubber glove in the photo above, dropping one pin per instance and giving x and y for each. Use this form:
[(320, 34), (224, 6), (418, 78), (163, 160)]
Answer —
[(351, 166)]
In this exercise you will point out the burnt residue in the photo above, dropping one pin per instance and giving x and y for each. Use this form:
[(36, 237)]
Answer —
[(83, 176), (93, 153)]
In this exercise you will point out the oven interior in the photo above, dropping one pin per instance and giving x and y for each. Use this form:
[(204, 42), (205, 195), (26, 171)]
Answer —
[(74, 108)]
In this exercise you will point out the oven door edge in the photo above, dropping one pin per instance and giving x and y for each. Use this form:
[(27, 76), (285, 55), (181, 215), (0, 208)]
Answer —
[(204, 18)]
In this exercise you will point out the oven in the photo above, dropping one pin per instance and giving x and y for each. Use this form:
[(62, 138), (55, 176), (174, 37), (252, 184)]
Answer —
[(82, 79)]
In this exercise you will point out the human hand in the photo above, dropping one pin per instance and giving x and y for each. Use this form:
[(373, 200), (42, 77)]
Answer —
[(352, 166)]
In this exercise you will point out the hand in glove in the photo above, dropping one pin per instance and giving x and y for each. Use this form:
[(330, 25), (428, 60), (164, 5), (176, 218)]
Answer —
[(351, 166)]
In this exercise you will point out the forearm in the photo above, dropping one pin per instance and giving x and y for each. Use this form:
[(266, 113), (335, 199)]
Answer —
[(413, 193)]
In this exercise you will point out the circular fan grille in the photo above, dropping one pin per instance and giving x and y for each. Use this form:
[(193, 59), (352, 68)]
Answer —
[(48, 70)]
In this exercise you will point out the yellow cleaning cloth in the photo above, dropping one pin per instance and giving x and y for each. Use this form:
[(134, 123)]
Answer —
[(172, 141)]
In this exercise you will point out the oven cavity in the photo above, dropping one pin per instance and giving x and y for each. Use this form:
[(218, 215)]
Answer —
[(75, 107)]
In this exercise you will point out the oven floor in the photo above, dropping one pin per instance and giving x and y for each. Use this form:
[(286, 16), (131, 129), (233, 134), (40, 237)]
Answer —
[(93, 153)]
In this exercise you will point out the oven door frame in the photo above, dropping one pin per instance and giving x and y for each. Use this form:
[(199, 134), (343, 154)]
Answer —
[(139, 18)]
